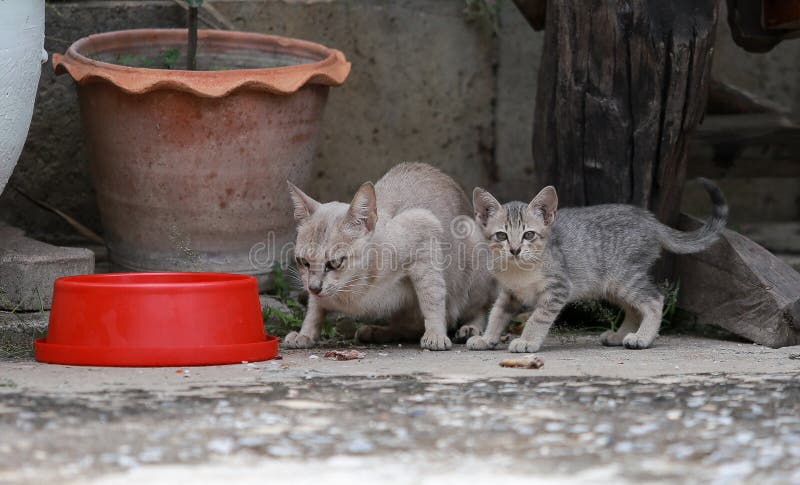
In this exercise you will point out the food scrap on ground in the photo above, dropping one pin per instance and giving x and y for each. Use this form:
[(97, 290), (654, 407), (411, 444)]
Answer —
[(524, 362), (344, 355)]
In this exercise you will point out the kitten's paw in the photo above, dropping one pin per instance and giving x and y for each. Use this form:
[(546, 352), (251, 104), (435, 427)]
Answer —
[(610, 338), (466, 332), (480, 343), (521, 346), (633, 341), (435, 341), (296, 340)]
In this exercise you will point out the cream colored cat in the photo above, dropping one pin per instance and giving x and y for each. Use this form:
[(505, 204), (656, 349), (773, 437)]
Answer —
[(391, 254)]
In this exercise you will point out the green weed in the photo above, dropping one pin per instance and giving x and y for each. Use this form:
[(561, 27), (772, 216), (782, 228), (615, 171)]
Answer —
[(169, 57), (168, 60), (599, 315), (279, 323)]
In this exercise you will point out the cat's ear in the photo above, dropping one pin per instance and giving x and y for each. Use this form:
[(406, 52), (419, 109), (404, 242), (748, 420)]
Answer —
[(304, 205), (363, 212), (485, 205), (545, 204)]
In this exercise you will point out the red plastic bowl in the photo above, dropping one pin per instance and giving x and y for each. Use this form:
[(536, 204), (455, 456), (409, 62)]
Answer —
[(155, 319)]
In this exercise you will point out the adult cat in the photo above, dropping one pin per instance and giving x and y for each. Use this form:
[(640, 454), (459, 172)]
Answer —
[(392, 253)]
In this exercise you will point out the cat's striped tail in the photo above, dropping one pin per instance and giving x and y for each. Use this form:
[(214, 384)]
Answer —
[(695, 241)]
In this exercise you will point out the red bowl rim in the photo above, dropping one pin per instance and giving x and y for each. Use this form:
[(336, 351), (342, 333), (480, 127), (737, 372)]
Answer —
[(259, 351), (159, 280)]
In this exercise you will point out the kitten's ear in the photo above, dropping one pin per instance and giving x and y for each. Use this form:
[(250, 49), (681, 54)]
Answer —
[(304, 205), (363, 211), (545, 204), (485, 205)]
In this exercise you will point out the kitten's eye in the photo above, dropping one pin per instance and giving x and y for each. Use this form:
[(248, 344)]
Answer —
[(529, 235), (501, 236), (301, 262), (333, 265)]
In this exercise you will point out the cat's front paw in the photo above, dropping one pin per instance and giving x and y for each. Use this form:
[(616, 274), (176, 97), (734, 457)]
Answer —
[(610, 338), (435, 341), (296, 340), (633, 341), (521, 346), (481, 343), (466, 332)]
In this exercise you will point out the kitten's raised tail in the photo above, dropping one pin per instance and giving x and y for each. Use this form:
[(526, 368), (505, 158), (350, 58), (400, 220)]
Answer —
[(695, 241)]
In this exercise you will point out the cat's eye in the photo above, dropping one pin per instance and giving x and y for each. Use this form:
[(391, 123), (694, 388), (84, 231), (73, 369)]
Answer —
[(529, 235), (501, 236), (334, 264), (301, 262)]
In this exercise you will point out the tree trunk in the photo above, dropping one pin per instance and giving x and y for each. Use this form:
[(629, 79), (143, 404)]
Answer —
[(622, 85)]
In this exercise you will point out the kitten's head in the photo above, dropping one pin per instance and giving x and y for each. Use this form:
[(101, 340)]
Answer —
[(330, 250), (516, 231)]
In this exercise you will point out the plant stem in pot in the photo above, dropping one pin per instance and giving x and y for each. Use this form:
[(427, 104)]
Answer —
[(191, 53)]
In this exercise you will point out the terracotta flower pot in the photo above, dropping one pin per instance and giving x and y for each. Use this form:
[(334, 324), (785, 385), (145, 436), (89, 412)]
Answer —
[(190, 167)]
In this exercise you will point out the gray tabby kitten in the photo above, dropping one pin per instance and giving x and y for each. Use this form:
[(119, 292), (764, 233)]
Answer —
[(391, 254), (600, 252)]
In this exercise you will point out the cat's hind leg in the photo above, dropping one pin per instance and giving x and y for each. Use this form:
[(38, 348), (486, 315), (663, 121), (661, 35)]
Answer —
[(649, 303), (613, 338), (404, 326)]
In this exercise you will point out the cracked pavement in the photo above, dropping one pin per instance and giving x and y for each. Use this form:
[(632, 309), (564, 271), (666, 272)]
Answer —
[(689, 410)]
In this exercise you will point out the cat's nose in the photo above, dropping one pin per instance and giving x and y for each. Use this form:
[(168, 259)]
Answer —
[(315, 289), (514, 251)]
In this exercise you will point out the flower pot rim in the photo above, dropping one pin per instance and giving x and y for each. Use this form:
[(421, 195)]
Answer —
[(331, 70)]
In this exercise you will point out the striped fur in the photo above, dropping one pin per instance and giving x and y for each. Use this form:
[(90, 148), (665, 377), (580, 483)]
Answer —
[(599, 252)]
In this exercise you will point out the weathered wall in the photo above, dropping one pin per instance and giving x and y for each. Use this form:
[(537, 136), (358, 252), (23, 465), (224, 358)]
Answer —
[(427, 84), (53, 166)]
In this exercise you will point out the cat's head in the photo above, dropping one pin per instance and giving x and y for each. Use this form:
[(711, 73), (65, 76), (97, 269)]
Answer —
[(516, 231), (332, 240)]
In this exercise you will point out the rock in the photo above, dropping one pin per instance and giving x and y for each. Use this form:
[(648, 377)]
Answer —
[(274, 304), (741, 287), (29, 267), (19, 330)]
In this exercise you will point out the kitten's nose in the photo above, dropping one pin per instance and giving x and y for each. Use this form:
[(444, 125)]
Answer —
[(515, 251), (315, 289)]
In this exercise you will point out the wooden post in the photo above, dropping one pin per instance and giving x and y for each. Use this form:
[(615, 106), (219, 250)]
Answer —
[(622, 85)]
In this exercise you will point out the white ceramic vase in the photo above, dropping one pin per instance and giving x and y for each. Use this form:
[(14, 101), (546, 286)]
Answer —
[(21, 57)]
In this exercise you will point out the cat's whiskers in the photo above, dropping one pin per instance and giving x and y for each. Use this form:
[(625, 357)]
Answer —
[(346, 285)]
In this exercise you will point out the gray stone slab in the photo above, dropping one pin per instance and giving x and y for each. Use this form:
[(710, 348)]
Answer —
[(29, 267), (18, 331)]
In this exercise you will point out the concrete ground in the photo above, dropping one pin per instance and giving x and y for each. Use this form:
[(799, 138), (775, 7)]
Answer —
[(689, 410)]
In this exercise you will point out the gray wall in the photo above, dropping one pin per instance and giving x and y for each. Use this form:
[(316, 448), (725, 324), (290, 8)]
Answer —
[(427, 84)]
